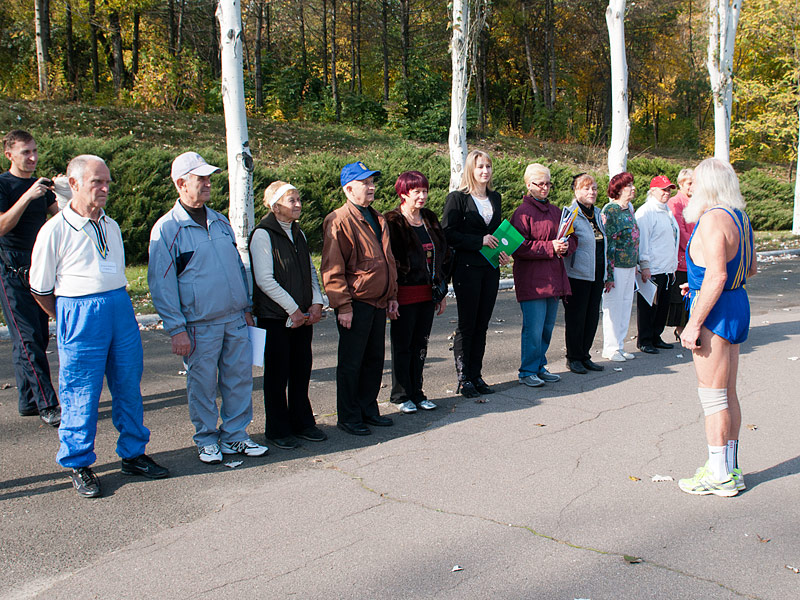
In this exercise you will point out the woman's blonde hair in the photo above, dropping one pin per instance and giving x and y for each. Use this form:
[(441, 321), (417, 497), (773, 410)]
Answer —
[(270, 192), (715, 184), (684, 175), (583, 180), (534, 171), (468, 182)]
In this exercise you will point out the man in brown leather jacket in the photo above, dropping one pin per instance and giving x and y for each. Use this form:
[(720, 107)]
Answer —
[(360, 279)]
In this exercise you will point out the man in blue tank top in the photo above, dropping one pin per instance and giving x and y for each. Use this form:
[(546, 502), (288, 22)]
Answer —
[(719, 258)]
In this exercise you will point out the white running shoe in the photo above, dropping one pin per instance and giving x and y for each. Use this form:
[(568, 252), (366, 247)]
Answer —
[(627, 355), (427, 405), (616, 357), (210, 454), (408, 407), (247, 447)]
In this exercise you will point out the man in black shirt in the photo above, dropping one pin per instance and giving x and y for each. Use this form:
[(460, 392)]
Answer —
[(24, 205)]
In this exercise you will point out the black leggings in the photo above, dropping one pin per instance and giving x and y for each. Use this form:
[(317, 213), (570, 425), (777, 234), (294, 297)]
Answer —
[(476, 292)]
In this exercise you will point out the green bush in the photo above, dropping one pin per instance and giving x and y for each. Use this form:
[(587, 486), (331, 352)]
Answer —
[(769, 202)]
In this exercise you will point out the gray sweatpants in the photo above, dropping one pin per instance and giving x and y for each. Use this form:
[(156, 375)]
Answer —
[(221, 357)]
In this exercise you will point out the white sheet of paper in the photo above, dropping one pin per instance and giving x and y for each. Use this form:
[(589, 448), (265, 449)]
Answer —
[(258, 339), (646, 288)]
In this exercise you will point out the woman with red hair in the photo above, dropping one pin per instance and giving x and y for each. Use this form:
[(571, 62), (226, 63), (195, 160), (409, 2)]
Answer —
[(622, 256)]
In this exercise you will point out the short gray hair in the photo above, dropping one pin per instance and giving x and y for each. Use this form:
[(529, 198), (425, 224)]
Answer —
[(77, 165)]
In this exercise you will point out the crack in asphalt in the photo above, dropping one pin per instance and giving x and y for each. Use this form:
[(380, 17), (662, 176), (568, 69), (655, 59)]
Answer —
[(386, 496)]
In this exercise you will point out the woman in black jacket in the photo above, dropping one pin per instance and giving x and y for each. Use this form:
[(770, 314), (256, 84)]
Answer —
[(422, 257), (471, 214)]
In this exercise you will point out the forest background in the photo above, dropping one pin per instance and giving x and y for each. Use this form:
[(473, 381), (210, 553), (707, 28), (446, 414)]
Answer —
[(332, 81)]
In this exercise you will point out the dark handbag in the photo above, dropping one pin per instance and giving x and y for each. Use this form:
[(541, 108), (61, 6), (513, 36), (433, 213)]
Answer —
[(439, 291)]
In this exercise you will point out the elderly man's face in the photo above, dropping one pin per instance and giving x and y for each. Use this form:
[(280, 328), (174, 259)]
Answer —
[(91, 190), (361, 192), (195, 190)]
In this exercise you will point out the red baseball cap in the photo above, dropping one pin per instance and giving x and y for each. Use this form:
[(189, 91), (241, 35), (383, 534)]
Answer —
[(661, 182)]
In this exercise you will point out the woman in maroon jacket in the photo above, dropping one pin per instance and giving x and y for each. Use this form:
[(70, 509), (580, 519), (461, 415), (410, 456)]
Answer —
[(540, 278)]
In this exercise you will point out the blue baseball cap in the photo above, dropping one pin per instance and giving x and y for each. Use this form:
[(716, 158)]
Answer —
[(355, 172)]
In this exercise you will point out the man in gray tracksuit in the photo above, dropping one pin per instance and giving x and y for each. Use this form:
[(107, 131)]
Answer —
[(199, 288)]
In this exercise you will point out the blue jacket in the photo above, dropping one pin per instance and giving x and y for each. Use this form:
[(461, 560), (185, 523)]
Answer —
[(196, 277)]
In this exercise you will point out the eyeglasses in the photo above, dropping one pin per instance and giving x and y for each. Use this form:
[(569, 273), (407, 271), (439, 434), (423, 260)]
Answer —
[(543, 184)]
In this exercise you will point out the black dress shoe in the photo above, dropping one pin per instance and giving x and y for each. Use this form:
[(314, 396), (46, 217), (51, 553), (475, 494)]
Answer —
[(287, 443), (85, 482), (467, 389), (51, 416), (481, 386), (648, 349), (312, 434), (663, 345), (592, 366), (354, 428), (145, 466), (576, 366), (378, 421)]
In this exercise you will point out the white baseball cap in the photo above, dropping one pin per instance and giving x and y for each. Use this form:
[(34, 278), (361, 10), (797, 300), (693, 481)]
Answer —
[(191, 162)]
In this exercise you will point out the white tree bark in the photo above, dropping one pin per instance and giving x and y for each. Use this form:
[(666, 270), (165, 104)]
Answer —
[(620, 123), (240, 160), (41, 49), (723, 19), (459, 52), (796, 216)]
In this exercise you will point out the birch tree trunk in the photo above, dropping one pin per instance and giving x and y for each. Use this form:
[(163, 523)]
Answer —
[(620, 123), (723, 19), (41, 22), (796, 216), (240, 160), (459, 51), (385, 47)]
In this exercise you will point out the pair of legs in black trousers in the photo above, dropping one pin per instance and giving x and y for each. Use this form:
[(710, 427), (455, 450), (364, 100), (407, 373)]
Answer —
[(360, 363), (27, 325), (476, 292), (409, 334), (287, 367), (581, 316), (651, 320)]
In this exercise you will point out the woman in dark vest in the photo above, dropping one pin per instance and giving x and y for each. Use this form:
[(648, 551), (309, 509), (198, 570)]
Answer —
[(422, 256), (286, 302)]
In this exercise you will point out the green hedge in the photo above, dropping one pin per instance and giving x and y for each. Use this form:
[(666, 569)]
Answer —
[(142, 190)]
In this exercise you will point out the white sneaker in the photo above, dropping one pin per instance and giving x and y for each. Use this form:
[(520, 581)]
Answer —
[(408, 407), (427, 405), (627, 355), (210, 454), (247, 447), (531, 381), (616, 356)]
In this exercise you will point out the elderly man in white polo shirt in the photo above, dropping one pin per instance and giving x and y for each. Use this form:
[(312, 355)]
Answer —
[(200, 289), (78, 277)]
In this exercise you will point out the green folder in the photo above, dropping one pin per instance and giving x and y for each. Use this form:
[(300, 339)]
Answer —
[(510, 239)]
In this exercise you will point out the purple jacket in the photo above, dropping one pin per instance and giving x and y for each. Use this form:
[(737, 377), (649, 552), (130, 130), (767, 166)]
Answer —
[(538, 272)]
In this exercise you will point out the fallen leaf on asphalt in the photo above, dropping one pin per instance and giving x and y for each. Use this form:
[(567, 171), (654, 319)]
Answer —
[(679, 356), (634, 478), (233, 464), (538, 424), (763, 540), (752, 427), (499, 320), (658, 478), (456, 568), (794, 357), (181, 372), (6, 386), (632, 560), (618, 368), (791, 568), (499, 331)]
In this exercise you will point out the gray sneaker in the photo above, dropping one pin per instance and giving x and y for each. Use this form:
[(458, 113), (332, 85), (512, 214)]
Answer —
[(247, 447), (547, 376), (408, 407), (531, 381), (427, 405), (210, 454)]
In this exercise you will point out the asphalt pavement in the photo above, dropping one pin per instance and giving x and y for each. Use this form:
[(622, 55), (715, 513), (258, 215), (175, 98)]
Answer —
[(538, 493)]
